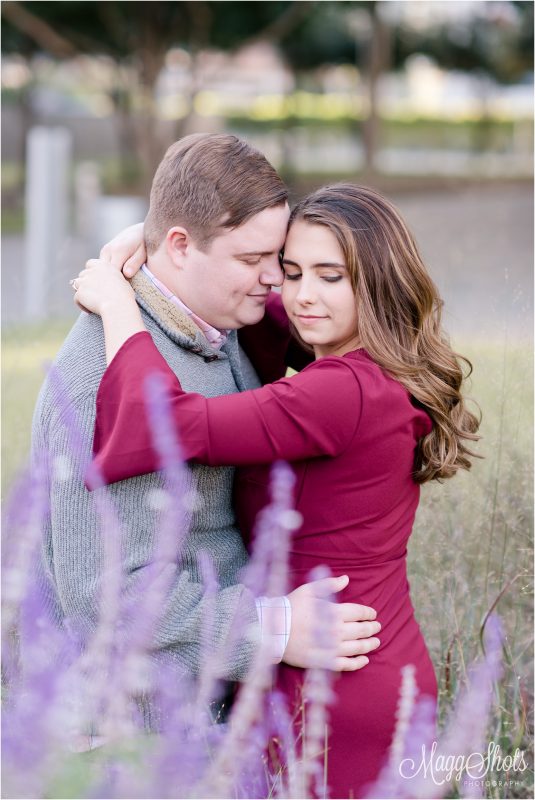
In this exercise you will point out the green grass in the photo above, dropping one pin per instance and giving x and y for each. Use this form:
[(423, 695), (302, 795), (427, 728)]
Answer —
[(472, 550), (472, 544), (25, 352)]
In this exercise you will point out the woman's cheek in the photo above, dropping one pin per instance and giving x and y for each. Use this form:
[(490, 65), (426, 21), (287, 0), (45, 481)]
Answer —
[(287, 296)]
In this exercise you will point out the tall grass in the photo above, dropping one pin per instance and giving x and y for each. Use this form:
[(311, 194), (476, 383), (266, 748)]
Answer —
[(471, 550)]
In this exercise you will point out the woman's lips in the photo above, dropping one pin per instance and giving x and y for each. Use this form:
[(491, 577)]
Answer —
[(308, 319)]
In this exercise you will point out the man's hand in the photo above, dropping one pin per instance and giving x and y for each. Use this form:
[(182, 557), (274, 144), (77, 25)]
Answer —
[(126, 251), (350, 626)]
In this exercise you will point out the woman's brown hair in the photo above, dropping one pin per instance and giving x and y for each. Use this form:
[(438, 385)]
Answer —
[(399, 317)]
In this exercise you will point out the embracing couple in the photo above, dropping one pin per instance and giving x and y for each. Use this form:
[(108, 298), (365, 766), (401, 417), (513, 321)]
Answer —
[(374, 411)]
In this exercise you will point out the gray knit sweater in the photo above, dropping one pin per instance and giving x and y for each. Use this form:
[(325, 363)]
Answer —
[(72, 556)]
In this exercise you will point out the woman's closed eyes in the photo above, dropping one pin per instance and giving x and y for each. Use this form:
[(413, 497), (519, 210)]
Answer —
[(294, 276)]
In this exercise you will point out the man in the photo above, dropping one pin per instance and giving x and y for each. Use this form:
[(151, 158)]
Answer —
[(216, 224)]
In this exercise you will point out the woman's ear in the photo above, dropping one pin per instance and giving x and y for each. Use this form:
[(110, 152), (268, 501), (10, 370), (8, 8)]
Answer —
[(177, 242)]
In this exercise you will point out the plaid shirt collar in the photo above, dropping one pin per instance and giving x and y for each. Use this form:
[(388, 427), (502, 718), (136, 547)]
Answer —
[(214, 336)]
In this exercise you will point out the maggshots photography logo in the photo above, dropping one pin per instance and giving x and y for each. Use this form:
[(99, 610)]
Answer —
[(476, 766)]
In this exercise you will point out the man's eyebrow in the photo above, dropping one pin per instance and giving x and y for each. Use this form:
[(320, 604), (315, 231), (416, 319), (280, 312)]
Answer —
[(257, 253), (316, 266)]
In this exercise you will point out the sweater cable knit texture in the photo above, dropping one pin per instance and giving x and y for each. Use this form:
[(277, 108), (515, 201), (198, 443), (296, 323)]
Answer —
[(71, 563)]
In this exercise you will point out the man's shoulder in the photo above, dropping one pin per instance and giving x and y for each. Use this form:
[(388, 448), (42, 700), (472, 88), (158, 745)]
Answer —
[(74, 375), (81, 360)]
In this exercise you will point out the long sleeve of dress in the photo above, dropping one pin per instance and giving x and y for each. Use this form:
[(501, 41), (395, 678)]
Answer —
[(315, 413)]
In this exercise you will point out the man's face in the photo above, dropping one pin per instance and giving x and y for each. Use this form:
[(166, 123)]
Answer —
[(228, 283)]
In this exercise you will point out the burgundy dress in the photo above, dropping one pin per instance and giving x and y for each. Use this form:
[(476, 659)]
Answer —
[(350, 433)]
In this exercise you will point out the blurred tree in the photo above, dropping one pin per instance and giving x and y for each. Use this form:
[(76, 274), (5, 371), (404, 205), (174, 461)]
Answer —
[(353, 33), (496, 41), (494, 44), (131, 34), (138, 36)]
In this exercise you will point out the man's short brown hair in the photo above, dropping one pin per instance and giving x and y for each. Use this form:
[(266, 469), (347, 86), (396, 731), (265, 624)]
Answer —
[(206, 182)]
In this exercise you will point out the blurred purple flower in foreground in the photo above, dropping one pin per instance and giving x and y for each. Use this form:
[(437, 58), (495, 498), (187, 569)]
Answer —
[(62, 698), (419, 765)]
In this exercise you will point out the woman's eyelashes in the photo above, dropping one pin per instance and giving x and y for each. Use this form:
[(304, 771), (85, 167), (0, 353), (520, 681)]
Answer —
[(294, 276)]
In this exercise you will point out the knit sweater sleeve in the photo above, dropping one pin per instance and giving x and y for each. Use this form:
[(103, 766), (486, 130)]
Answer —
[(85, 528)]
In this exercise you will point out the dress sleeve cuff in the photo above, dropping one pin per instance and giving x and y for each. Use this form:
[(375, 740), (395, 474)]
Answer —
[(122, 449)]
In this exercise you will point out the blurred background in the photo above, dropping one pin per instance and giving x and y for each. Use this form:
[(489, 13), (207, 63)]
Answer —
[(430, 102), (418, 98)]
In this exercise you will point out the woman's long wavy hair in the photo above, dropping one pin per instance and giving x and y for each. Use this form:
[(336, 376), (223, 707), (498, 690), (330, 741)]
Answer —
[(399, 318)]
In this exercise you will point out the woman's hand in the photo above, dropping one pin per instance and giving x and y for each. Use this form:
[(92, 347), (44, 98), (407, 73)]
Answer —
[(106, 292), (126, 251), (99, 288)]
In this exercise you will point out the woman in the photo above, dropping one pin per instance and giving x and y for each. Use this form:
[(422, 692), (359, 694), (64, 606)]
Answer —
[(377, 413)]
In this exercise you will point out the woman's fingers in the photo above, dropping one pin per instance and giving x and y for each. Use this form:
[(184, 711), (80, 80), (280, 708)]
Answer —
[(81, 307), (128, 244), (135, 262), (95, 263), (115, 255)]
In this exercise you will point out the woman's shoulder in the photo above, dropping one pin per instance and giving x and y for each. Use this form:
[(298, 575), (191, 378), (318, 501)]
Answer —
[(364, 366), (358, 367), (356, 364), (382, 392)]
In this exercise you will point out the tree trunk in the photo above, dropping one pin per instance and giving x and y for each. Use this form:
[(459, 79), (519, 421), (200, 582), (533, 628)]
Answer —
[(148, 134), (377, 58)]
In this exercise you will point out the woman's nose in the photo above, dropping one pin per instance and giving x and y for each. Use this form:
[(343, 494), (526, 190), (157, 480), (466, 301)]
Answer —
[(305, 293)]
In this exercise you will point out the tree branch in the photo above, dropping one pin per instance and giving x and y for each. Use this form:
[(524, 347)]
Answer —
[(38, 30), (282, 25)]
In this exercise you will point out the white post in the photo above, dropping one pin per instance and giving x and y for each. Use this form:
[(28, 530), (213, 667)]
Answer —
[(47, 205), (87, 190), (115, 213)]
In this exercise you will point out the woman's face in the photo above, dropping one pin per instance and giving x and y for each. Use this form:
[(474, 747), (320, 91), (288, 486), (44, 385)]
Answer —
[(317, 292)]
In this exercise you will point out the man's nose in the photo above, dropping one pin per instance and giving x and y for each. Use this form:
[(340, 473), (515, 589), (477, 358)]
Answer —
[(271, 274)]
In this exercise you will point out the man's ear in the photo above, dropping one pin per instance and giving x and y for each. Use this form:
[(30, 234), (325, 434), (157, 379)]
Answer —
[(177, 242)]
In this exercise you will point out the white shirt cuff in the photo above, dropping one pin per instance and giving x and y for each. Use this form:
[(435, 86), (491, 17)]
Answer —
[(275, 616)]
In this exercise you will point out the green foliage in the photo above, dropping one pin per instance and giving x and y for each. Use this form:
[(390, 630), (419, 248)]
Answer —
[(80, 773), (323, 37), (94, 27), (309, 33), (123, 29), (491, 42)]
